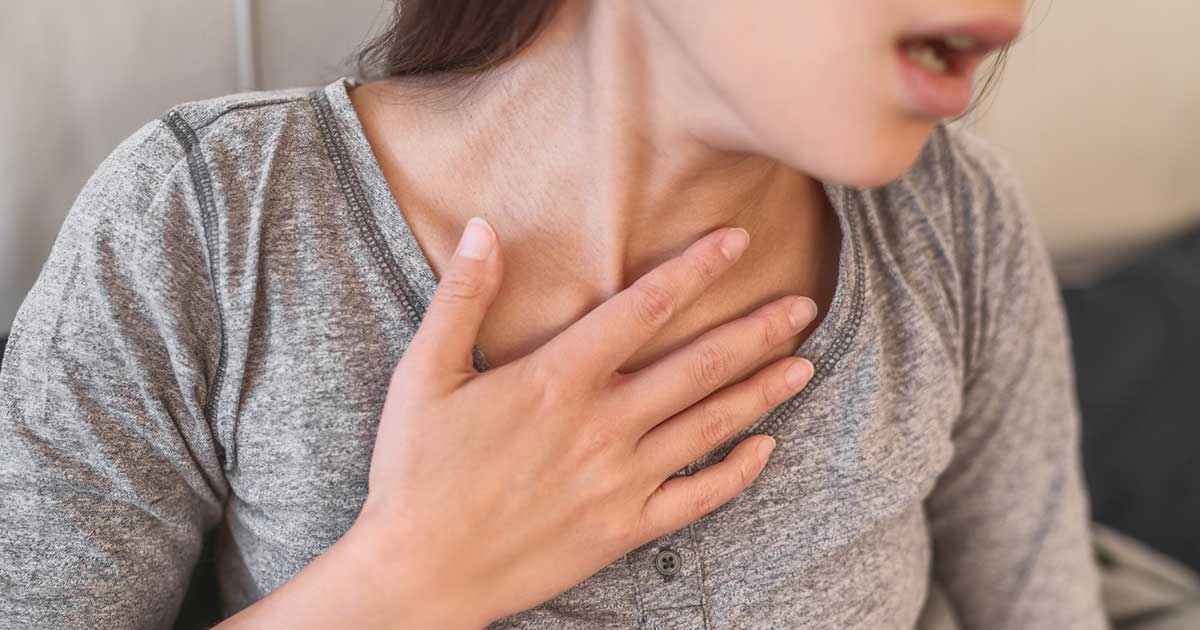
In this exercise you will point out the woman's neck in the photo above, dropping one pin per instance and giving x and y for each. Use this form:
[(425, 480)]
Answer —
[(592, 157)]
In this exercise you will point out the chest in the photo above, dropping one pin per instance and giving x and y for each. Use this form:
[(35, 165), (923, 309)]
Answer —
[(833, 523), (534, 304)]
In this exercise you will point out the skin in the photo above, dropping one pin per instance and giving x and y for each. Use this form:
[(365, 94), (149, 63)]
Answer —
[(643, 130), (607, 157), (622, 182)]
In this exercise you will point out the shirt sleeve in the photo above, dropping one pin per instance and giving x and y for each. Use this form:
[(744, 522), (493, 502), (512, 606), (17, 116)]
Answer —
[(1009, 515), (109, 475)]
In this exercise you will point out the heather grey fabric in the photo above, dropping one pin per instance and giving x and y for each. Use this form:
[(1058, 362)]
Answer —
[(210, 342), (1142, 589)]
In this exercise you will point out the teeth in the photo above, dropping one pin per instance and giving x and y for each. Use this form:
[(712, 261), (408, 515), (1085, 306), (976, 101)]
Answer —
[(927, 57), (960, 42)]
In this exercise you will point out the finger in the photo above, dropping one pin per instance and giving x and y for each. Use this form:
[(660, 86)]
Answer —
[(609, 334), (690, 373), (683, 499), (686, 437), (464, 293)]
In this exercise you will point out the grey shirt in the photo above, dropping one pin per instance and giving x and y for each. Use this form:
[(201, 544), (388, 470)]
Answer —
[(210, 342)]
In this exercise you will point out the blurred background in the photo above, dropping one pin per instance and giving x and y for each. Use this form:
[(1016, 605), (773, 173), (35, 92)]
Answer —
[(1098, 110)]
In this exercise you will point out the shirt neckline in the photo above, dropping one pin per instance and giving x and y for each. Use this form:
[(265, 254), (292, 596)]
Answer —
[(412, 278)]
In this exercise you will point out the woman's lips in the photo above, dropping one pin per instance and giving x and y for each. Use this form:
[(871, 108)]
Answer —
[(938, 93), (938, 67)]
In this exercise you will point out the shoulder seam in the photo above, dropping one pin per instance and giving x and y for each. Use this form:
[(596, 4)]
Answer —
[(199, 128), (202, 184)]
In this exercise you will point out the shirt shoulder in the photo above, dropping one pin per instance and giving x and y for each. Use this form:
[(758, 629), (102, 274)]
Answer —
[(151, 163), (163, 173), (955, 232), (1005, 262), (965, 186), (155, 200), (237, 137), (220, 115), (253, 158)]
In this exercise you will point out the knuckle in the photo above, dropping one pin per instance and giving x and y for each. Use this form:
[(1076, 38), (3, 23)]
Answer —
[(534, 366), (552, 387), (538, 376), (746, 471), (655, 304), (773, 327), (711, 366), (616, 531), (709, 265), (770, 391), (595, 441), (717, 424), (460, 286)]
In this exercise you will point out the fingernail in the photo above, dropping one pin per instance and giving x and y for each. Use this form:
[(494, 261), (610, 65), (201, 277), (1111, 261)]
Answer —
[(476, 240), (765, 447), (798, 373), (734, 243), (802, 312)]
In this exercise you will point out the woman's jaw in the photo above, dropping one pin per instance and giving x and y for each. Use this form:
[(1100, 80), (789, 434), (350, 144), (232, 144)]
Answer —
[(847, 92)]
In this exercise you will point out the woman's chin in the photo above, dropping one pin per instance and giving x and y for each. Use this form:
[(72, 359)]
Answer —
[(871, 173), (871, 162)]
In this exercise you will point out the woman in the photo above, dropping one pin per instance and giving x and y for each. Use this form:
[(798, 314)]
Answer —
[(710, 228)]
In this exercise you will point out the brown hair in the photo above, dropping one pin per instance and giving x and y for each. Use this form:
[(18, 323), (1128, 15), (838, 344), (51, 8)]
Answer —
[(452, 36), (990, 80), (469, 37)]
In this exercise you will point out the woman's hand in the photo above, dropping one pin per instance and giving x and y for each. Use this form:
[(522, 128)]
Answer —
[(493, 492), (510, 486)]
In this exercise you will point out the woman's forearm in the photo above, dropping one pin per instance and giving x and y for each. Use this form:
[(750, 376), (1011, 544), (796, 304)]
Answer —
[(352, 585)]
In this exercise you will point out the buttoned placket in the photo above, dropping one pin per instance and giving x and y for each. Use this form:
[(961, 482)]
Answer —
[(669, 577)]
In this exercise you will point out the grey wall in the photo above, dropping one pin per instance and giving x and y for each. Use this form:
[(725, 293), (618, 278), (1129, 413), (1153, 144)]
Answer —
[(81, 76), (1099, 109)]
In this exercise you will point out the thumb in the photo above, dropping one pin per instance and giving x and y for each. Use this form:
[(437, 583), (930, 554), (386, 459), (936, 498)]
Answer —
[(466, 290)]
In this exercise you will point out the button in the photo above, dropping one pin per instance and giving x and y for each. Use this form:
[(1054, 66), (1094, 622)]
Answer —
[(668, 562)]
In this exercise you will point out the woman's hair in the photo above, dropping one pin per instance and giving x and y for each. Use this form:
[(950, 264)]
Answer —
[(452, 36), (470, 37)]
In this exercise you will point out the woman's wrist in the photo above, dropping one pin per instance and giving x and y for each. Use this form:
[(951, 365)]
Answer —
[(358, 583), (409, 583)]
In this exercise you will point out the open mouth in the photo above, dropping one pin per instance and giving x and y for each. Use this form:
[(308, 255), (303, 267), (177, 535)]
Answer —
[(939, 66), (945, 55)]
